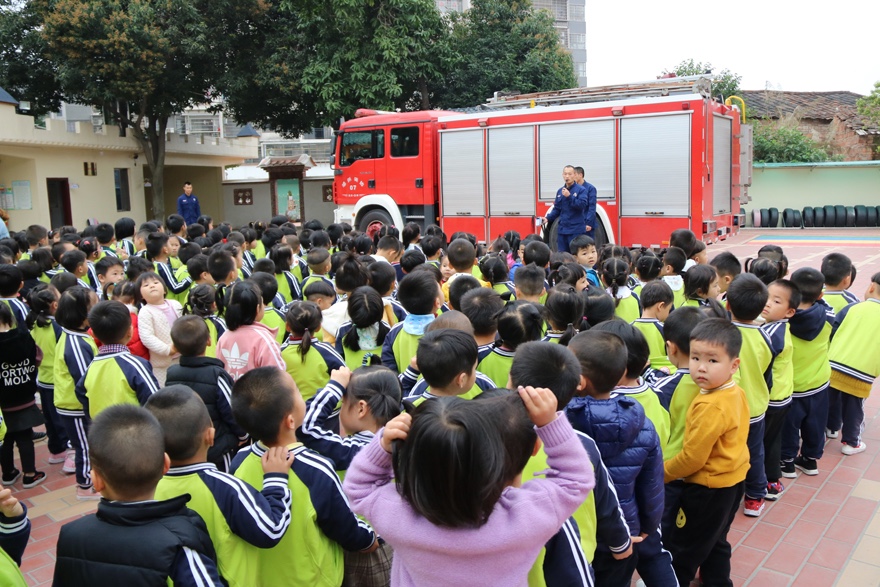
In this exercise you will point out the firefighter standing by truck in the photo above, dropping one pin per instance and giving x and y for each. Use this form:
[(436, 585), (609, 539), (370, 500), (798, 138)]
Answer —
[(569, 208)]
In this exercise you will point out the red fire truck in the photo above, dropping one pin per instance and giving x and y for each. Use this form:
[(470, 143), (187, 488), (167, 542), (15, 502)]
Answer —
[(663, 155)]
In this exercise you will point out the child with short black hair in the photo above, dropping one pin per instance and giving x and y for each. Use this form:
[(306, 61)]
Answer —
[(308, 360), (238, 517), (388, 249), (839, 273), (529, 283), (318, 260), (803, 434), (133, 536), (701, 285), (366, 331), (74, 262), (518, 322), (673, 266), (124, 230), (629, 446), (447, 359), (854, 363), (461, 255), (746, 298), (159, 253), (713, 460), (782, 303), (657, 300), (685, 240), (727, 266), (222, 268), (114, 376), (584, 250), (383, 278), (11, 282), (273, 317), (110, 270), (209, 380), (461, 286), (481, 306), (421, 297), (268, 405)]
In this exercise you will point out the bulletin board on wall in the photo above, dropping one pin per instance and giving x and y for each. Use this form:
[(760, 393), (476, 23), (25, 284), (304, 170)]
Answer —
[(17, 196), (289, 199)]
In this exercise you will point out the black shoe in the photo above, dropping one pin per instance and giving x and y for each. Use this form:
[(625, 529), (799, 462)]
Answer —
[(788, 469), (12, 477), (29, 481), (39, 436), (807, 465)]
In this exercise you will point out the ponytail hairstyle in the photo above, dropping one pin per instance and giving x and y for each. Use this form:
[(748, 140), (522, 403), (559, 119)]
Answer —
[(124, 289), (363, 245), (565, 310), (303, 320), (614, 274), (243, 304), (282, 256), (500, 246), (648, 267), (411, 233), (365, 308), (155, 243), (40, 299), (598, 306), (379, 387), (697, 281), (767, 270), (519, 322), (567, 273), (351, 273), (90, 246), (494, 269), (73, 308), (42, 256), (201, 300), (512, 237), (6, 317), (610, 251), (774, 253)]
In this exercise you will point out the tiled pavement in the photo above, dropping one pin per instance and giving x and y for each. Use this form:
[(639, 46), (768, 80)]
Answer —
[(824, 531)]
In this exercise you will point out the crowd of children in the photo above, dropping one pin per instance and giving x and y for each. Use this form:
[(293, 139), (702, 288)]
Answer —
[(285, 405)]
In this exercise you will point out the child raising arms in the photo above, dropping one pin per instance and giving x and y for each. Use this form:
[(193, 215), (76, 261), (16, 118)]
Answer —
[(486, 527)]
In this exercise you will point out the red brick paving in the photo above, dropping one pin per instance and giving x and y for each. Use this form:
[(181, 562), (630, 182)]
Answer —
[(804, 540)]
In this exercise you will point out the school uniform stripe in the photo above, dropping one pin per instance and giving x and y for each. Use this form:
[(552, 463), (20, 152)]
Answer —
[(200, 574), (79, 425), (263, 521), (577, 553)]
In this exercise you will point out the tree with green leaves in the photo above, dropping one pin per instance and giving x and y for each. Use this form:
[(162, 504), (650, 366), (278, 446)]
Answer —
[(502, 45), (869, 107), (141, 61), (25, 72), (724, 82)]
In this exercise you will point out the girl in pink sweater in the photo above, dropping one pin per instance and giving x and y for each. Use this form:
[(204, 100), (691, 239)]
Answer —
[(155, 318), (490, 528), (247, 344)]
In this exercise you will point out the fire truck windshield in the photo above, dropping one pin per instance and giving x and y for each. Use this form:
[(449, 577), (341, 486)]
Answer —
[(358, 145)]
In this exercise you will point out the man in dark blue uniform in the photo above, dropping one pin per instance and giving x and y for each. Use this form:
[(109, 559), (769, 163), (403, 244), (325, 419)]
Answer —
[(569, 207), (590, 211), (188, 205)]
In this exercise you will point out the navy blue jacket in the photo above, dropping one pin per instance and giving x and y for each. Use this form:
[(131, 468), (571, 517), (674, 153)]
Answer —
[(630, 449), (188, 207), (590, 211), (570, 210), (808, 324)]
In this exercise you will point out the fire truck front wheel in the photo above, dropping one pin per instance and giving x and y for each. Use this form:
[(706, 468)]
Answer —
[(376, 215), (551, 232)]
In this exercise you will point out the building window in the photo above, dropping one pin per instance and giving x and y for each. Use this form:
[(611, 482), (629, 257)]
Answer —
[(358, 145), (576, 13), (123, 197), (318, 132), (405, 141), (577, 41), (580, 69), (563, 36)]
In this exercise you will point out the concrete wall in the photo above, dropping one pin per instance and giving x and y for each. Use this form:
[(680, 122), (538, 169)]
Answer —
[(207, 185), (261, 209), (313, 204), (799, 185)]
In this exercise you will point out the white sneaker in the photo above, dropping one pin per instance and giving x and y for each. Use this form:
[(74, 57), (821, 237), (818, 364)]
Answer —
[(69, 465), (56, 459), (853, 450), (829, 433)]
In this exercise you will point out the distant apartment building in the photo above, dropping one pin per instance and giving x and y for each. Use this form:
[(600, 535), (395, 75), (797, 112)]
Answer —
[(570, 22)]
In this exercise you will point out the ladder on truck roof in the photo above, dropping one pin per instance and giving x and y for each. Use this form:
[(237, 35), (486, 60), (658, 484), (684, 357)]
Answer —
[(693, 84)]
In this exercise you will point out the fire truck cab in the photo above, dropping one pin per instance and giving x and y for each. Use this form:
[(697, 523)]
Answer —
[(662, 155)]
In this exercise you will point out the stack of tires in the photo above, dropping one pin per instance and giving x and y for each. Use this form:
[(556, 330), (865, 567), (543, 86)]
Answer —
[(819, 217)]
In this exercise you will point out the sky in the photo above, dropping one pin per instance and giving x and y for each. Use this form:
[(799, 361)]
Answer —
[(806, 46)]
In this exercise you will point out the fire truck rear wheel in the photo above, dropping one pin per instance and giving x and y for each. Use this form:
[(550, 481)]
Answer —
[(550, 235), (808, 217), (375, 215)]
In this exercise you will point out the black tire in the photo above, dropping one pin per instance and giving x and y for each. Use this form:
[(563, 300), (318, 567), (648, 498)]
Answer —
[(871, 215), (788, 218), (808, 217), (765, 218), (774, 217), (819, 217), (798, 221), (861, 215), (850, 216), (551, 234), (840, 216), (830, 217), (374, 215), (756, 218), (599, 234)]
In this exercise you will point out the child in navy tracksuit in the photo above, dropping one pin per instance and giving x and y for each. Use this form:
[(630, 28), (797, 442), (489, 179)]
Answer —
[(630, 449)]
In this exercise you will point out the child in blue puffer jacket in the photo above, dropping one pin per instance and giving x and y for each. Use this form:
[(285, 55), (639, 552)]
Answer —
[(630, 449)]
